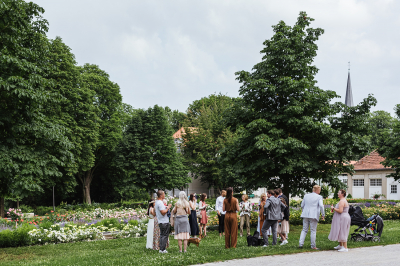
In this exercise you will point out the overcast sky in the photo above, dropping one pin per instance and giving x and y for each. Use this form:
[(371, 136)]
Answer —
[(171, 53)]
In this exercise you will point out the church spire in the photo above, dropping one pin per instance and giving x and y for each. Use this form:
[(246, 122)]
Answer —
[(349, 94)]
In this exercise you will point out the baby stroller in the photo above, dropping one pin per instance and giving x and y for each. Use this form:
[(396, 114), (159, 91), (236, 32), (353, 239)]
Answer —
[(368, 230)]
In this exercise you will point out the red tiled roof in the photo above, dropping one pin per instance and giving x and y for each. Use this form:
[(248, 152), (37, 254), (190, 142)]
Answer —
[(178, 134), (370, 162)]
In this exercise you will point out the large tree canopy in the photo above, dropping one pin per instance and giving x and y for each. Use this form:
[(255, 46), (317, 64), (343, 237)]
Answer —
[(289, 134), (148, 154), (206, 135), (381, 124), (33, 144), (108, 101), (390, 149)]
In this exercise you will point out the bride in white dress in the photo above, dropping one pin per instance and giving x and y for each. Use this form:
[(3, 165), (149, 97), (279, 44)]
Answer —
[(150, 225)]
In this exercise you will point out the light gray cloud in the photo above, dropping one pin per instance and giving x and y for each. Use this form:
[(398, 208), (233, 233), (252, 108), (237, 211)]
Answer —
[(173, 52)]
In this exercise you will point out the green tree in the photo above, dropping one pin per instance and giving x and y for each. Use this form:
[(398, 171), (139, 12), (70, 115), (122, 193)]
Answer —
[(206, 135), (390, 149), (76, 111), (108, 101), (175, 118), (148, 153), (33, 145), (381, 123), (289, 134)]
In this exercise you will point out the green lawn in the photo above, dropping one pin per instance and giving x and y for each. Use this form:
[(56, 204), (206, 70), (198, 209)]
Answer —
[(132, 251)]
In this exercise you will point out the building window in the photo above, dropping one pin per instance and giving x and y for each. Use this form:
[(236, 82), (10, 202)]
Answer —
[(358, 182), (375, 182), (393, 189), (344, 181)]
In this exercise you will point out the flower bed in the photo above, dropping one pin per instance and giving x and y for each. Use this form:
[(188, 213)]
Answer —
[(73, 226)]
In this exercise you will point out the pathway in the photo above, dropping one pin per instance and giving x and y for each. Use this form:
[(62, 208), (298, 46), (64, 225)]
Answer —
[(378, 255)]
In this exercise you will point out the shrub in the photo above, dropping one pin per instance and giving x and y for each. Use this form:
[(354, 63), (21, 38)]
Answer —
[(134, 222), (16, 238), (46, 225), (26, 209), (349, 196)]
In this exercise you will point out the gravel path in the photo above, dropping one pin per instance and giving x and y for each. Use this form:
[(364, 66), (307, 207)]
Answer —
[(378, 255)]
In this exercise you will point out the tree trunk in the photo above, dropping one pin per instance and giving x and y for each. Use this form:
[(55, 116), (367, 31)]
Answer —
[(17, 203), (86, 181), (2, 212), (286, 187)]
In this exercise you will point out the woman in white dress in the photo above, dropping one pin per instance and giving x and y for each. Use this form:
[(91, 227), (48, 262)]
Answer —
[(150, 226)]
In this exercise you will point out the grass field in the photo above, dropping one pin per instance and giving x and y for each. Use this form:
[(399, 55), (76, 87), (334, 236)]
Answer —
[(132, 251)]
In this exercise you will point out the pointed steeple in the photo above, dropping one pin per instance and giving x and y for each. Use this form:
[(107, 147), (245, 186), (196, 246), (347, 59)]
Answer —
[(349, 94)]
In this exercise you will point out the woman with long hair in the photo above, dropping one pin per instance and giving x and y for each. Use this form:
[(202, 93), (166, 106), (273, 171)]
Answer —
[(261, 217), (203, 213), (231, 207), (194, 227), (182, 227), (150, 225)]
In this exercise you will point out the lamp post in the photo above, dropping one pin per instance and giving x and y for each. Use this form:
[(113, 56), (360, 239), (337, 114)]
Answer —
[(54, 204)]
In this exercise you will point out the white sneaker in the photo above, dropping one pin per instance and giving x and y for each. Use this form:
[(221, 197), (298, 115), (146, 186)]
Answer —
[(284, 242), (265, 246), (343, 250), (338, 247), (160, 251)]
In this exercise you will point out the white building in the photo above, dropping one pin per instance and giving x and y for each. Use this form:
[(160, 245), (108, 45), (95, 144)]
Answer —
[(370, 179)]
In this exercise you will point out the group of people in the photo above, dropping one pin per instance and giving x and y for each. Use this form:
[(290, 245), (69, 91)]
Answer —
[(273, 218), (184, 219)]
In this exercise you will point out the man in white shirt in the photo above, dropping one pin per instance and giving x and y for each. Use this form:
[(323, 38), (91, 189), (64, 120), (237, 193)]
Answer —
[(221, 214), (163, 221), (313, 206)]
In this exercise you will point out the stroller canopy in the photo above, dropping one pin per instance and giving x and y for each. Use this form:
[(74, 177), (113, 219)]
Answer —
[(357, 217)]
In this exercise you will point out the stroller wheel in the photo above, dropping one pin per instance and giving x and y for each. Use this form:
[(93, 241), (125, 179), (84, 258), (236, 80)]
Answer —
[(357, 238), (376, 239)]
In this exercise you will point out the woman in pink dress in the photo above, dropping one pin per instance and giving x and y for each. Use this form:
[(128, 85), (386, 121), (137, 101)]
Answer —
[(203, 212), (341, 222)]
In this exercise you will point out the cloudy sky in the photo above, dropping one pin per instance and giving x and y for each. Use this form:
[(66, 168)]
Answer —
[(171, 53)]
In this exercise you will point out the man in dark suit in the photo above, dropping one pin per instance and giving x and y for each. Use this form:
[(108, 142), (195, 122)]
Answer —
[(273, 209), (283, 196), (286, 199)]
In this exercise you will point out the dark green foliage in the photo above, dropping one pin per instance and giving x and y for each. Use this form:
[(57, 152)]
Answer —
[(17, 238), (76, 111), (108, 102), (287, 127), (206, 135), (148, 155), (33, 145), (175, 118), (390, 148), (381, 125)]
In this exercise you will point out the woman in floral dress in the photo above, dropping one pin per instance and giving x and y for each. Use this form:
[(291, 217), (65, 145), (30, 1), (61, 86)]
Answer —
[(156, 235)]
